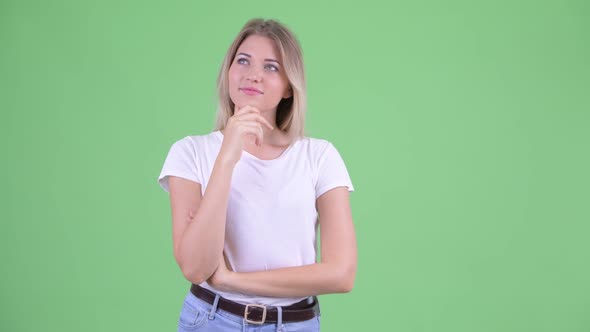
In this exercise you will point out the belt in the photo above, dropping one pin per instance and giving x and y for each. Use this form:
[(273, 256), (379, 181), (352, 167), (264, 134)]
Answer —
[(258, 313)]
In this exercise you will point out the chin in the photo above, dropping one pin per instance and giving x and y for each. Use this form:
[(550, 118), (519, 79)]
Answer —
[(247, 101)]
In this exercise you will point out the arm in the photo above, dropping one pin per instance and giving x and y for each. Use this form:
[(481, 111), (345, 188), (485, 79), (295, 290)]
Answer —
[(334, 274), (198, 240), (198, 223)]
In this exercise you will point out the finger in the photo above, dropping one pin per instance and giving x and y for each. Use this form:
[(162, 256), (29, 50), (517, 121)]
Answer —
[(265, 122), (246, 109), (239, 109), (240, 114), (256, 131), (253, 128), (257, 117), (250, 107)]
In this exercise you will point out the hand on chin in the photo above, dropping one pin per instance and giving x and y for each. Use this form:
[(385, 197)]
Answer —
[(252, 103)]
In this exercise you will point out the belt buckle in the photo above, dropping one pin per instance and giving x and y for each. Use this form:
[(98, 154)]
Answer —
[(263, 307)]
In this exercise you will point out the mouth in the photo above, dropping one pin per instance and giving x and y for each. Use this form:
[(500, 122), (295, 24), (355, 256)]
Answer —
[(251, 91)]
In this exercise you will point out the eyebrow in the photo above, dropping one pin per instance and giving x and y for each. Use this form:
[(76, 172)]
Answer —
[(270, 60)]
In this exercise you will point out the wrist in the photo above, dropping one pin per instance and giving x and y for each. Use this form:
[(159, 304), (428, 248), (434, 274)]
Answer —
[(225, 162)]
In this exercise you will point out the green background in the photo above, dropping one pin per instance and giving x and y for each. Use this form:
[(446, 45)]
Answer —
[(465, 127)]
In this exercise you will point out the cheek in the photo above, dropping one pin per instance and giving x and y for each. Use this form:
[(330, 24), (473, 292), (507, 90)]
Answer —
[(233, 85), (280, 86), (234, 76)]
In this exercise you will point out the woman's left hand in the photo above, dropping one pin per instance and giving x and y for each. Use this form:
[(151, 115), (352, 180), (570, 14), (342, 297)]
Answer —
[(222, 276)]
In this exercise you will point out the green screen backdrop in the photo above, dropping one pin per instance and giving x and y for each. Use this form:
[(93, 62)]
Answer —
[(465, 126)]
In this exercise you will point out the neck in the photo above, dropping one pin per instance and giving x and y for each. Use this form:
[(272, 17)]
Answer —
[(275, 136), (271, 117)]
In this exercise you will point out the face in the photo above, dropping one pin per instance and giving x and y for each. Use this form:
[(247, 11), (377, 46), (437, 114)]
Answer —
[(256, 76)]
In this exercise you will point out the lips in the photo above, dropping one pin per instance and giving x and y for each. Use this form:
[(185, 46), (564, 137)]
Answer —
[(251, 91)]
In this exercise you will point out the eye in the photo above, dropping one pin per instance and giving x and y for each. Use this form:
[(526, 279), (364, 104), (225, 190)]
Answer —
[(242, 61), (271, 67)]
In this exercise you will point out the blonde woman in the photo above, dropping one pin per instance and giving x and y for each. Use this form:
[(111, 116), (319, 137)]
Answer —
[(245, 198)]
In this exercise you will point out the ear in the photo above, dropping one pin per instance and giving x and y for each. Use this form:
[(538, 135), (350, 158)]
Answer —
[(288, 93)]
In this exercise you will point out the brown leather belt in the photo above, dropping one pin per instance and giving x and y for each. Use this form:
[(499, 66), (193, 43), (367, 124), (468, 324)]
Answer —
[(260, 314)]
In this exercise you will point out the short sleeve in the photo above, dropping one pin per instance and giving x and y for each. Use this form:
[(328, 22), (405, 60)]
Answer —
[(332, 172), (181, 161)]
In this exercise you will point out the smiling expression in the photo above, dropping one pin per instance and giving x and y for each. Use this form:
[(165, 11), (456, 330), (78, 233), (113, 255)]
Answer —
[(256, 75)]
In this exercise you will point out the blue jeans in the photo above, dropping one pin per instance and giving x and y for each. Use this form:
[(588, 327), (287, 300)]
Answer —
[(198, 315)]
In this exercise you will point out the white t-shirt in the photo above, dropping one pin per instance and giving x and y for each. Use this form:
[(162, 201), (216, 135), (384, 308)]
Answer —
[(271, 214)]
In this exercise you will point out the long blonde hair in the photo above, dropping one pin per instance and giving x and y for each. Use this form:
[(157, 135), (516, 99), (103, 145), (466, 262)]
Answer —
[(290, 116)]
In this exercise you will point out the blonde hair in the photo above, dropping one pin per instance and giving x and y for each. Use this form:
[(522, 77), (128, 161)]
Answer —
[(290, 116)]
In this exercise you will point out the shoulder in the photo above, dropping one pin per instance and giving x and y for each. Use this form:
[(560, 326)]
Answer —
[(204, 138), (198, 142), (330, 170), (315, 146), (319, 149)]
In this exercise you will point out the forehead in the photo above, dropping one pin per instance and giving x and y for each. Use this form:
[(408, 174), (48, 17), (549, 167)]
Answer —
[(259, 46)]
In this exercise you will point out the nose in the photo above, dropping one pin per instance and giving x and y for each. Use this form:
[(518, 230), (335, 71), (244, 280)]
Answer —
[(253, 75)]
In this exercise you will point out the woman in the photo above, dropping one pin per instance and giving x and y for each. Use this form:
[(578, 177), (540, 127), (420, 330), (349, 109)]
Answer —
[(245, 198)]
